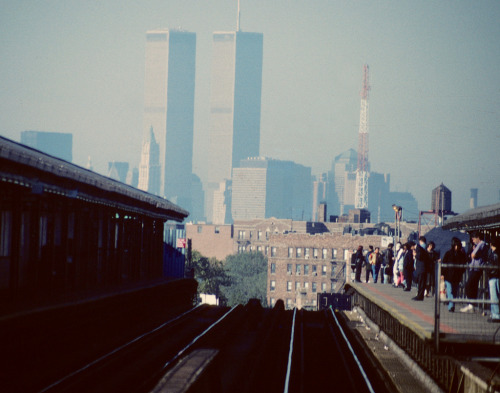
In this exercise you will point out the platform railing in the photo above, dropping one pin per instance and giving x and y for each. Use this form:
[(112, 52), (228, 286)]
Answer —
[(472, 324)]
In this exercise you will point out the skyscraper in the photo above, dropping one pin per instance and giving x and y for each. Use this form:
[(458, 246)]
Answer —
[(56, 144), (264, 187), (149, 168), (169, 108), (235, 103)]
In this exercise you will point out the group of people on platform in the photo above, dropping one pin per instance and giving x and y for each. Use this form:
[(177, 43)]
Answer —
[(415, 263)]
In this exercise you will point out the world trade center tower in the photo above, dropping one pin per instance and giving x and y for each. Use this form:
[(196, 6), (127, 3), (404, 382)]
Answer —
[(169, 108), (235, 103)]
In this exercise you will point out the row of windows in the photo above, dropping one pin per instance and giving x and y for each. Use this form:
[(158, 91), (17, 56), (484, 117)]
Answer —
[(299, 269), (306, 252), (304, 287), (260, 235), (290, 303)]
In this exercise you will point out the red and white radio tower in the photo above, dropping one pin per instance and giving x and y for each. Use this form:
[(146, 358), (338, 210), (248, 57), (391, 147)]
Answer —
[(361, 197)]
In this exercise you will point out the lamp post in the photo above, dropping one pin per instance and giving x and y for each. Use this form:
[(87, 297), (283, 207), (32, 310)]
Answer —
[(398, 212)]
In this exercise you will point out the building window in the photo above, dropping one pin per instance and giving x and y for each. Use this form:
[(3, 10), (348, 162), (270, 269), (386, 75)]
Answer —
[(266, 250), (323, 287), (306, 286), (315, 252), (259, 235), (273, 251), (297, 286), (306, 269), (299, 252), (288, 268), (259, 248), (267, 235), (251, 233), (241, 235), (273, 268), (314, 303), (332, 287), (333, 271), (200, 229), (306, 252), (290, 252), (298, 268), (334, 253), (272, 286), (314, 287), (323, 270), (314, 271), (217, 229), (289, 304), (288, 286), (272, 301), (325, 253), (346, 254)]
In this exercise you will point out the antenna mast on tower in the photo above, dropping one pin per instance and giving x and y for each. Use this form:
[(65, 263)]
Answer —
[(361, 197)]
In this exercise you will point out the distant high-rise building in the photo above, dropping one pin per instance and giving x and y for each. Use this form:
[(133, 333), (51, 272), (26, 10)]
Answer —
[(149, 168), (473, 198), (235, 103), (264, 188), (169, 108), (319, 194), (342, 165), (118, 170), (57, 144)]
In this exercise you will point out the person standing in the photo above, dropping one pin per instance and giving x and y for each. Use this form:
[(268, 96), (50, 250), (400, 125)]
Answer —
[(398, 266), (389, 263), (376, 262), (494, 281), (408, 263), (421, 267), (453, 275), (358, 262), (368, 266), (479, 256), (431, 273)]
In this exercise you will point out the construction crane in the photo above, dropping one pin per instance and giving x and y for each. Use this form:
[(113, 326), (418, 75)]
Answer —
[(361, 196)]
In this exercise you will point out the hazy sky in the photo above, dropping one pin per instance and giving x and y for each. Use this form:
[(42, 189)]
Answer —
[(77, 66)]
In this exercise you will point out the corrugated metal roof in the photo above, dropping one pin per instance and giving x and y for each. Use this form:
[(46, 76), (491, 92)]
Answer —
[(480, 218), (23, 157)]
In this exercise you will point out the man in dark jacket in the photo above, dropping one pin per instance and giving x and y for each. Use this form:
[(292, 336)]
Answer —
[(421, 267), (358, 262), (452, 275)]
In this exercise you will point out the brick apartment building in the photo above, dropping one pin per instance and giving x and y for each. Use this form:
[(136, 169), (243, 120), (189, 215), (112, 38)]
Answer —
[(302, 265)]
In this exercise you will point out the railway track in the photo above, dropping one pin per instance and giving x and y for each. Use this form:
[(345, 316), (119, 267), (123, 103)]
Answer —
[(216, 349)]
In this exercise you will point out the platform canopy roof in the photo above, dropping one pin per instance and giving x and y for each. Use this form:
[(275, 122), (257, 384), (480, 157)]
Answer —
[(43, 173), (484, 217)]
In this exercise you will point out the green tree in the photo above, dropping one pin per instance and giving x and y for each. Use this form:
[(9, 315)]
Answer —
[(247, 278), (210, 274)]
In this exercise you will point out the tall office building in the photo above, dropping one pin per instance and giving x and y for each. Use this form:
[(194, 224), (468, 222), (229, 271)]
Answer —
[(169, 108), (342, 182), (149, 168), (264, 188), (56, 144), (235, 103)]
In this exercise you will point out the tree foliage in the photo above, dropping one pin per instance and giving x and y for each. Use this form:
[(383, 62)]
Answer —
[(210, 274), (247, 273)]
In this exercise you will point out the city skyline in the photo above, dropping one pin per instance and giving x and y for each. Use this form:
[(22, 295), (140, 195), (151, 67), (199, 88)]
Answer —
[(433, 105)]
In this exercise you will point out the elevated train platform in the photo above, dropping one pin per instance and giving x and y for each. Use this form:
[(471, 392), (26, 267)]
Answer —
[(466, 356)]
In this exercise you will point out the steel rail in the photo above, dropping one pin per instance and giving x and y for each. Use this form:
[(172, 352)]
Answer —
[(179, 354), (290, 353), (360, 366), (116, 350)]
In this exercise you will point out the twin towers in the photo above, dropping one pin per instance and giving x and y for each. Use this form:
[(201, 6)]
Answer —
[(235, 106)]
